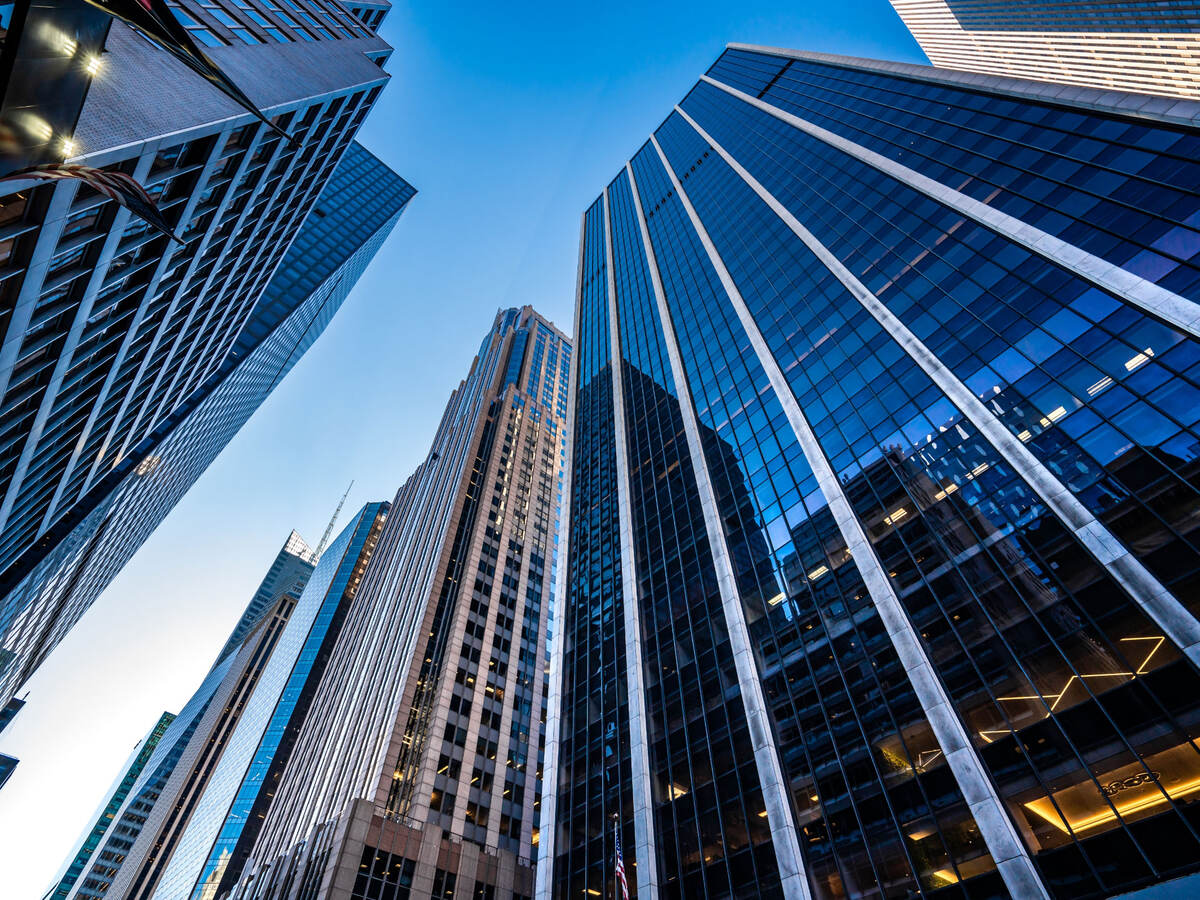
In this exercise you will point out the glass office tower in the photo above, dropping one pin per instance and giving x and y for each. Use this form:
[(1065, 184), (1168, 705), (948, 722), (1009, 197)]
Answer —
[(226, 769), (275, 598), (418, 770), (881, 570), (112, 804), (115, 339), (1146, 46)]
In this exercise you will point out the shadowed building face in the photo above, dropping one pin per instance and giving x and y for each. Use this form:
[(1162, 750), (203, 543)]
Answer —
[(881, 569)]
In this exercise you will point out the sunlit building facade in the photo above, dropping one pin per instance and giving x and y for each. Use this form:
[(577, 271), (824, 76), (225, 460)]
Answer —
[(880, 575), (1145, 46), (177, 836), (418, 769), (128, 360)]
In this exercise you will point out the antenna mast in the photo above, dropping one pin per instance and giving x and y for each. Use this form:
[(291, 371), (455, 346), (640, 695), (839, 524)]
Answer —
[(316, 555)]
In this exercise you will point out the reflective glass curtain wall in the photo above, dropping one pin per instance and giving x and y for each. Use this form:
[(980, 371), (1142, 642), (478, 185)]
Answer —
[(903, 380), (112, 336)]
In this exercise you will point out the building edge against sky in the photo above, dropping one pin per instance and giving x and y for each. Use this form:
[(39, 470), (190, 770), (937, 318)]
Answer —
[(896, 446), (110, 806), (419, 764), (63, 585), (1145, 47), (193, 726), (229, 769), (129, 361)]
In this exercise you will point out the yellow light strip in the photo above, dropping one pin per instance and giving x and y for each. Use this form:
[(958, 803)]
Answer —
[(1057, 698), (1158, 639), (1108, 815)]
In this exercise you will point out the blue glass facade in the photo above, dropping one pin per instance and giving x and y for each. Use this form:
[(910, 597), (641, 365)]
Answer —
[(113, 337), (136, 800), (907, 376), (1073, 15), (81, 553), (112, 806), (335, 582)]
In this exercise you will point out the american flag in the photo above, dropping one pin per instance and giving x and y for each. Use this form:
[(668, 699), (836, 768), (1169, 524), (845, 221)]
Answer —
[(116, 186), (621, 882)]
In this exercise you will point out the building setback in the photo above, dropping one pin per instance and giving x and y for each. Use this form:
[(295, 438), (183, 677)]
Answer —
[(112, 804), (1142, 46), (881, 563), (127, 361), (418, 768)]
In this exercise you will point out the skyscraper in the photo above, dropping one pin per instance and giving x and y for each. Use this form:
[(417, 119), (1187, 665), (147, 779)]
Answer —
[(276, 597), (419, 765), (127, 360), (8, 765), (111, 805), (881, 567), (211, 781), (290, 572), (1131, 45)]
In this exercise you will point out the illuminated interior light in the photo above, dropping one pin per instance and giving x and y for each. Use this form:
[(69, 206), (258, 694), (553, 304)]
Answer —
[(763, 814), (814, 798), (920, 834), (946, 491), (593, 892), (1053, 416), (987, 735), (93, 65), (776, 600), (1140, 669), (148, 465), (925, 757), (37, 127), (818, 572), (1136, 361), (1157, 795), (896, 516), (1058, 697), (1099, 386), (946, 876), (1158, 642), (980, 469), (676, 791)]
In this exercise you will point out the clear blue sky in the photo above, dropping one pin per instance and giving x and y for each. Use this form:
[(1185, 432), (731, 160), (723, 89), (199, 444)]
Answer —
[(509, 119)]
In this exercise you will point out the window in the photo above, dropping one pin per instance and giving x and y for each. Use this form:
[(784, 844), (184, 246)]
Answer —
[(443, 885)]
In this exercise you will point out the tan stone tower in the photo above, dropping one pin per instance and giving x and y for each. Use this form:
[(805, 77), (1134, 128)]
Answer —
[(419, 766), (1139, 46)]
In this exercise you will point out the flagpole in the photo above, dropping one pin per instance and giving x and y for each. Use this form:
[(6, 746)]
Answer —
[(616, 884)]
